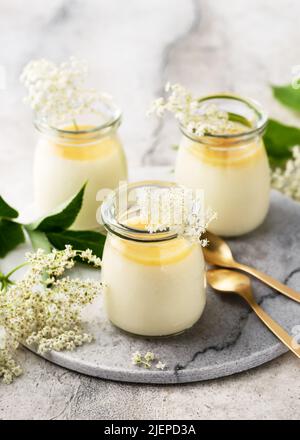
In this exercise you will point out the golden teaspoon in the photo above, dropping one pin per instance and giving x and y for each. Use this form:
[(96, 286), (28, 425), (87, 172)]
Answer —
[(231, 281), (218, 253)]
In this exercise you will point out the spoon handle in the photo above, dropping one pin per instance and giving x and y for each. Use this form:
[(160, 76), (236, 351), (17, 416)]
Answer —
[(282, 288), (275, 327)]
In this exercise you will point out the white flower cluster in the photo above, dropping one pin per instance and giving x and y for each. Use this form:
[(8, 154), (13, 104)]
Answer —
[(9, 369), (146, 360), (57, 93), (44, 308), (196, 117), (288, 180), (2, 338), (90, 258), (178, 209)]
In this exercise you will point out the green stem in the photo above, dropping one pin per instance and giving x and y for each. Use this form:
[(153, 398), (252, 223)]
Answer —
[(3, 286), (7, 276), (5, 279), (75, 124), (38, 240)]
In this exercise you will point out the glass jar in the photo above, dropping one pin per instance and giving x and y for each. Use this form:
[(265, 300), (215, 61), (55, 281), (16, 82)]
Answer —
[(231, 168), (88, 150), (155, 282)]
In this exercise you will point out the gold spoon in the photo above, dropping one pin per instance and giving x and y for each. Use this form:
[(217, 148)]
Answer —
[(231, 281), (218, 253)]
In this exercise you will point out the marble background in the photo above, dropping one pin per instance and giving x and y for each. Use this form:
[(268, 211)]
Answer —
[(133, 48)]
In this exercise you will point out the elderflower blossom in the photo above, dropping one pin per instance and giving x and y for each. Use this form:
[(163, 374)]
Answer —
[(44, 308), (142, 361), (2, 338), (57, 93), (146, 360), (196, 117), (160, 365), (177, 209), (9, 369), (149, 356), (287, 180), (88, 256), (136, 358)]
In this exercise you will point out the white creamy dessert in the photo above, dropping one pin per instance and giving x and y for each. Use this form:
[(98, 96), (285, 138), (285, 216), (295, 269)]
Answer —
[(60, 171), (234, 173), (153, 288), (236, 186), (69, 156)]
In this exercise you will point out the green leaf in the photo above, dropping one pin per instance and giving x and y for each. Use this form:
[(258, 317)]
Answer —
[(63, 217), (80, 240), (288, 96), (11, 235), (239, 118), (6, 210), (279, 139), (39, 240)]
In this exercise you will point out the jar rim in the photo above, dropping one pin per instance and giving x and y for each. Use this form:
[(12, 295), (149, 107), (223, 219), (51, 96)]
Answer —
[(251, 104), (113, 117), (120, 229)]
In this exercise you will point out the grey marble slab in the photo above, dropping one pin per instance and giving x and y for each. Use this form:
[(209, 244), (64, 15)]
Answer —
[(228, 338)]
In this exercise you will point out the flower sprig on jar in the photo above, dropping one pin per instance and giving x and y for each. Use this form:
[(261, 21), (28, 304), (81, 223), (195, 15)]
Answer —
[(43, 309), (78, 138), (221, 151), (57, 92), (196, 117), (153, 264), (176, 208)]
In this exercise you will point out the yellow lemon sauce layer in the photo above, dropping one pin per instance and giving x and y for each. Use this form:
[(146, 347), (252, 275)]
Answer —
[(152, 254), (223, 153), (221, 158), (80, 147)]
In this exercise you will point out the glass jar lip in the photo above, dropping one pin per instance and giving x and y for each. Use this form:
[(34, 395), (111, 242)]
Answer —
[(114, 117), (127, 232), (248, 134)]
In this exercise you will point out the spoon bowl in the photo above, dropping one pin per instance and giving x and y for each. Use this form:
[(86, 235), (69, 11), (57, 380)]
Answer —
[(229, 281), (225, 281), (218, 253)]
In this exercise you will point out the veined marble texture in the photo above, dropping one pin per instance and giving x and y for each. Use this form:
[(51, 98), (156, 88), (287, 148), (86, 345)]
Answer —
[(133, 48)]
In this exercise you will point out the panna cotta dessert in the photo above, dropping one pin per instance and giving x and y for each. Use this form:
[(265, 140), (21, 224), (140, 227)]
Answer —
[(69, 156), (231, 167), (154, 281)]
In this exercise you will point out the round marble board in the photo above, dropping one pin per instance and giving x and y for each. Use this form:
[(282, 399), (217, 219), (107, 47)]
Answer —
[(228, 338)]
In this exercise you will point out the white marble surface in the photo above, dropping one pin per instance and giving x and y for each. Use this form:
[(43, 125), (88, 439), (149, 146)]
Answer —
[(133, 48)]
